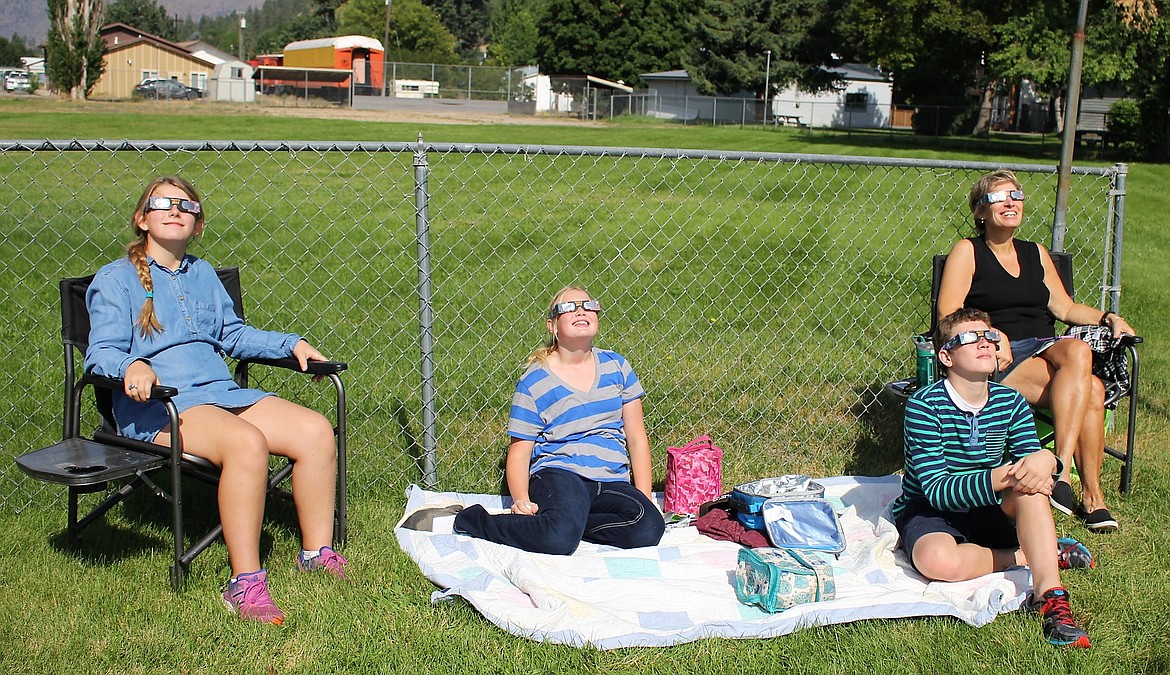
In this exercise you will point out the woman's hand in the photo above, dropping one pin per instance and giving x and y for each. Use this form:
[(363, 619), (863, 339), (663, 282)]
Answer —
[(1003, 352), (138, 381), (525, 507), (1120, 326)]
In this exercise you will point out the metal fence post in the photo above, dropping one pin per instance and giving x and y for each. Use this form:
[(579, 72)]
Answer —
[(425, 313), (1118, 195)]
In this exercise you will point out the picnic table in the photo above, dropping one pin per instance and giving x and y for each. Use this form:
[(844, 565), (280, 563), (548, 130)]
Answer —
[(787, 121)]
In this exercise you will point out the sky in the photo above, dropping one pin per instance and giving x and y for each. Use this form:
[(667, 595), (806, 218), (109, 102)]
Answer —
[(29, 19)]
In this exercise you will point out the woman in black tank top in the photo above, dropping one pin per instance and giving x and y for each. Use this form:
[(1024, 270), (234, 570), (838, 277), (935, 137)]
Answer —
[(1016, 283)]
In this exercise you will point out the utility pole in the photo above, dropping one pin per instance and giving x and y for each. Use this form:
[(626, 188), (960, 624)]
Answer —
[(1068, 142), (767, 82), (386, 54), (243, 25)]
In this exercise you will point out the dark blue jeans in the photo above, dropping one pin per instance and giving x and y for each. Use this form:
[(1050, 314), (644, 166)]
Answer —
[(571, 508)]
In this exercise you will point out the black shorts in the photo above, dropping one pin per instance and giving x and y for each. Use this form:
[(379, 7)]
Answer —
[(986, 526)]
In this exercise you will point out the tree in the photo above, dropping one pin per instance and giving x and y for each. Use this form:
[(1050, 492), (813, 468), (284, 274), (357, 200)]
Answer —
[(934, 48), (326, 10), (145, 15), (1149, 32), (467, 20), (732, 36), (74, 48), (512, 33), (12, 50), (611, 39), (416, 34)]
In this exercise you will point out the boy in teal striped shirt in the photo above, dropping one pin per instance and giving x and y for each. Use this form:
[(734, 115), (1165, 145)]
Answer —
[(976, 485)]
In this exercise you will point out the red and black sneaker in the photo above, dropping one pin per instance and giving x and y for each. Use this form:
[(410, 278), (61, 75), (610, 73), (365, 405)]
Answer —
[(1059, 626)]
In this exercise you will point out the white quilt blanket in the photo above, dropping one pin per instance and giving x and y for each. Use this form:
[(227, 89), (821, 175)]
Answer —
[(682, 590)]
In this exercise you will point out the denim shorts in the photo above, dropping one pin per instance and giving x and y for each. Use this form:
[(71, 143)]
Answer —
[(1024, 349)]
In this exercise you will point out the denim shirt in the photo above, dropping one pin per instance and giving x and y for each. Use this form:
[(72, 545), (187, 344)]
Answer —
[(199, 328)]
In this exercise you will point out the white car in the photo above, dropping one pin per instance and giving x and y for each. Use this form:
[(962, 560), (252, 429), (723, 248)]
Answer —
[(16, 80)]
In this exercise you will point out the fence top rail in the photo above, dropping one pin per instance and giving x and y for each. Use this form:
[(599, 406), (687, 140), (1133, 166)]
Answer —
[(778, 157), (515, 149), (76, 145)]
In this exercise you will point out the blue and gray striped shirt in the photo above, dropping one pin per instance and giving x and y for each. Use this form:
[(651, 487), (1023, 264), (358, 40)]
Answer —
[(579, 431), (950, 453)]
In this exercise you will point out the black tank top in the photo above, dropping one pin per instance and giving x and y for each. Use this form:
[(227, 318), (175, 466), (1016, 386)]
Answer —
[(1018, 305)]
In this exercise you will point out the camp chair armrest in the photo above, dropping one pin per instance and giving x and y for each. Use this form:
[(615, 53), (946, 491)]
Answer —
[(1127, 340), (315, 367), (159, 392)]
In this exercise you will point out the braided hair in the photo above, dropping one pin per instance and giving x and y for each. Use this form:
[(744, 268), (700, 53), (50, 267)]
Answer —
[(136, 251)]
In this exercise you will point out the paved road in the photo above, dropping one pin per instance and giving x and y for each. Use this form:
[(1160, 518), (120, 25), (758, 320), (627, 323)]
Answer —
[(435, 105)]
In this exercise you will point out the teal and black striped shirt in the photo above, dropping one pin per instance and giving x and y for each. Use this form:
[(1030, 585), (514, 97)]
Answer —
[(950, 453)]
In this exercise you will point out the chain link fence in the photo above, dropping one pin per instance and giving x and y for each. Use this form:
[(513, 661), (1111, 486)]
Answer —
[(764, 299)]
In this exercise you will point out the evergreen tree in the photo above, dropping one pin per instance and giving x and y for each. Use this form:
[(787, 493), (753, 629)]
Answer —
[(145, 15), (732, 37)]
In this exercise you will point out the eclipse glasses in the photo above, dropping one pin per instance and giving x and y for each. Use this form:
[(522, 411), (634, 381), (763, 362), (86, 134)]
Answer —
[(1002, 196), (165, 203), (970, 337), (572, 306)]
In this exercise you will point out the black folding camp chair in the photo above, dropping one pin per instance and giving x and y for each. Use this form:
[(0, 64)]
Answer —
[(106, 460), (1115, 389)]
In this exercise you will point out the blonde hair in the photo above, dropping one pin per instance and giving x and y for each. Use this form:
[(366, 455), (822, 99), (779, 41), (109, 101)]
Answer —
[(136, 250), (550, 344), (983, 186)]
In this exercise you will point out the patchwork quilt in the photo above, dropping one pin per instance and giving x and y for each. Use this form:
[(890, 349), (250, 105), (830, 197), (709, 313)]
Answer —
[(682, 590)]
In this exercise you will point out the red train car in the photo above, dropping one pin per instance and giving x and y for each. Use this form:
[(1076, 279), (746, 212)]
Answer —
[(325, 64)]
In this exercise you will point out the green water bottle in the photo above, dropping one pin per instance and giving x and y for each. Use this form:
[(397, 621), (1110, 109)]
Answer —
[(924, 353)]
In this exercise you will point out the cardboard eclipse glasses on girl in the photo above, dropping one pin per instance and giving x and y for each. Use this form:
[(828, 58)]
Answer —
[(970, 337), (572, 306), (165, 203), (1002, 196)]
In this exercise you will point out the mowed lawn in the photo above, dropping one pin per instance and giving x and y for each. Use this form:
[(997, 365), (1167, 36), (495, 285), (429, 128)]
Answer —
[(110, 609)]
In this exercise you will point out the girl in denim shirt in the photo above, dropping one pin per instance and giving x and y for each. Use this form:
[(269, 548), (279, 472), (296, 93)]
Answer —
[(161, 316)]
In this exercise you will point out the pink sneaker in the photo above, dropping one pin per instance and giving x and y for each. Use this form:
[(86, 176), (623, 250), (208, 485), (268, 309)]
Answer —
[(247, 596), (331, 561)]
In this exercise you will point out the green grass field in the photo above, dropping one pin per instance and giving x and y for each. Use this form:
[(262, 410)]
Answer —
[(109, 607)]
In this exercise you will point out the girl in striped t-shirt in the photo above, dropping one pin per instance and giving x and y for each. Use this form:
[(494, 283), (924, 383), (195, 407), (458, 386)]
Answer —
[(578, 465)]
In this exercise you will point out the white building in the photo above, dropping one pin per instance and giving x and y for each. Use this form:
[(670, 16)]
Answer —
[(864, 99), (232, 78)]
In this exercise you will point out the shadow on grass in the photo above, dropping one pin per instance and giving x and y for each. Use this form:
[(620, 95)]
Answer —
[(878, 448), (142, 523)]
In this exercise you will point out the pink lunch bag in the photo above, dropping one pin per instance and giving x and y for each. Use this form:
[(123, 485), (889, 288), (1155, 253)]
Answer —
[(694, 475)]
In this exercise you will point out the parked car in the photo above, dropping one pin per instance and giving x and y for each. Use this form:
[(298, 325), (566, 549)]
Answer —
[(167, 89), (16, 80)]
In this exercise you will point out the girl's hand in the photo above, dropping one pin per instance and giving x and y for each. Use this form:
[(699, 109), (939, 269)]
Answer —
[(525, 507), (138, 381), (305, 352)]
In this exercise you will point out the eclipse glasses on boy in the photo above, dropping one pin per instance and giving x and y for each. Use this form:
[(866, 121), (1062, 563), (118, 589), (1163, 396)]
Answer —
[(1002, 196), (572, 306), (165, 203), (970, 337)]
